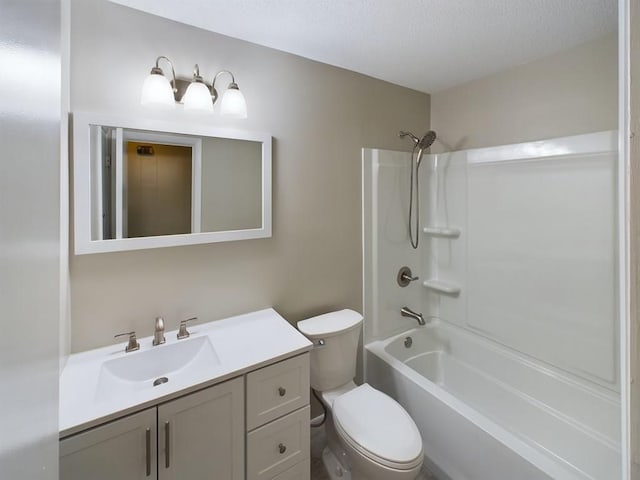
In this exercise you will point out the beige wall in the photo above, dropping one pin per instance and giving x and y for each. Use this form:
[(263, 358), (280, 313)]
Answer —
[(568, 93), (320, 118)]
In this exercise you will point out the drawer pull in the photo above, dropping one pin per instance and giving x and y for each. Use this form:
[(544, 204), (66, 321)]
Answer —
[(282, 391), (282, 448), (167, 445), (148, 451)]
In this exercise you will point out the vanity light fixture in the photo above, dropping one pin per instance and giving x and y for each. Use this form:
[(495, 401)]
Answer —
[(198, 97)]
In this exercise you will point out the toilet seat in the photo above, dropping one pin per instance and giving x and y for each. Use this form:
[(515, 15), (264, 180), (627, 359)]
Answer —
[(377, 427)]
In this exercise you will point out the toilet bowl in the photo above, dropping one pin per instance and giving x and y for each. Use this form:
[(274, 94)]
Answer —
[(370, 436), (380, 439)]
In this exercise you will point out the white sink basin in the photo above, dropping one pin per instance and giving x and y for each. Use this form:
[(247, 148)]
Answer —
[(160, 365)]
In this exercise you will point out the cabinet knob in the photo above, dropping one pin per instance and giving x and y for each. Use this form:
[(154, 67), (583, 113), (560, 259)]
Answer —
[(282, 448), (282, 391)]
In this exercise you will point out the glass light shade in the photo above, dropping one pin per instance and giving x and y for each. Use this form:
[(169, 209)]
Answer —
[(233, 104), (157, 92), (198, 98)]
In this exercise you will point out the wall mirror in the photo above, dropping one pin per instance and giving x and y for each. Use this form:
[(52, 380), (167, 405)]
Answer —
[(142, 183)]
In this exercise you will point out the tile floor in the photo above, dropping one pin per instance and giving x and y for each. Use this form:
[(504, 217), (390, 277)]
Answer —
[(318, 441)]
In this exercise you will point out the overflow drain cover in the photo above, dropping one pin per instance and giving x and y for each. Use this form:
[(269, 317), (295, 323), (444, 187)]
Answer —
[(160, 381)]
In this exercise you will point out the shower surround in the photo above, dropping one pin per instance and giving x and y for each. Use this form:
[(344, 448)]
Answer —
[(519, 362)]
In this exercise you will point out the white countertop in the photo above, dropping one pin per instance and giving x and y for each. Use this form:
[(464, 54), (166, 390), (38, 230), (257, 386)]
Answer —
[(242, 343)]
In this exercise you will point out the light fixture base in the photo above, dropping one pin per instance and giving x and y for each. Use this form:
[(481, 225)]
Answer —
[(181, 87)]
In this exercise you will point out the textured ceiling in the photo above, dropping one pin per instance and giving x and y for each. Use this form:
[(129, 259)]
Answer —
[(427, 45)]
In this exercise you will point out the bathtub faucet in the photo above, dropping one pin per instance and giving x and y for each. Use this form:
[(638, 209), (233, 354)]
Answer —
[(407, 312)]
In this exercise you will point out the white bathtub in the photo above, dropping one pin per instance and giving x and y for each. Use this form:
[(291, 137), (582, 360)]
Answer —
[(486, 413)]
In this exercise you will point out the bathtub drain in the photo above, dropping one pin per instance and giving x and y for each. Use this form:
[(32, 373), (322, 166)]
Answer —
[(408, 342)]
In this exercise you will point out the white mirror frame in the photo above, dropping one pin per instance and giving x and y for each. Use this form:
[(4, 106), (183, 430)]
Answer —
[(82, 183)]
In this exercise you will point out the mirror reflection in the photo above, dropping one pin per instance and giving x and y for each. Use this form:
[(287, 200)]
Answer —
[(148, 184)]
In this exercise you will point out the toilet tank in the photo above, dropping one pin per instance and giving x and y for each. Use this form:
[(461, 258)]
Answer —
[(334, 363)]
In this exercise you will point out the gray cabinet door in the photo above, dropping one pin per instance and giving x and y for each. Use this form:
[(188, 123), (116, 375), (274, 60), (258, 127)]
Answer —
[(201, 436), (124, 449)]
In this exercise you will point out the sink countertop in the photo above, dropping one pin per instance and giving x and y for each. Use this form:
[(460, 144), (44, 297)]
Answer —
[(242, 343)]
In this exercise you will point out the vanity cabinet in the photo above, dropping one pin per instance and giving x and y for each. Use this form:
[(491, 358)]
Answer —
[(209, 434), (186, 438)]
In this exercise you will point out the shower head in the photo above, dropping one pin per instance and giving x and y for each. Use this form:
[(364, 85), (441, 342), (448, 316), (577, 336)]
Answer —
[(427, 140), (421, 144)]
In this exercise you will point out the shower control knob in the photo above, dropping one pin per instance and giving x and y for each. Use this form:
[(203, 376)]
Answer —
[(405, 277)]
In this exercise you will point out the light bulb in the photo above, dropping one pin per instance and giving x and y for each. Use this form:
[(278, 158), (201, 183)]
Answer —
[(233, 103), (157, 92), (198, 98)]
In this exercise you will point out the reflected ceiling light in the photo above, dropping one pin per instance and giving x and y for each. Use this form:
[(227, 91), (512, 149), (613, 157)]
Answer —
[(156, 89), (195, 94)]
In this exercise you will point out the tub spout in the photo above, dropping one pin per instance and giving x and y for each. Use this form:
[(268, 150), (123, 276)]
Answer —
[(407, 312)]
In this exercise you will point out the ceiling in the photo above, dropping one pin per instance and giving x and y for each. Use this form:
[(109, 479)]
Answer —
[(426, 45)]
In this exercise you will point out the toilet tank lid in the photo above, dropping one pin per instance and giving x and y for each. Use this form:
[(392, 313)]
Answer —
[(330, 323)]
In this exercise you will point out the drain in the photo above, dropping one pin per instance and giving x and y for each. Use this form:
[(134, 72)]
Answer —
[(408, 342), (160, 381)]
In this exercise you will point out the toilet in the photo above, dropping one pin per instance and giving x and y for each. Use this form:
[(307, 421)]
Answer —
[(369, 435)]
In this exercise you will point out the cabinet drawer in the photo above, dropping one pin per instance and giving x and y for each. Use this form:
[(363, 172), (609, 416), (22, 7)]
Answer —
[(278, 446), (300, 471), (276, 390)]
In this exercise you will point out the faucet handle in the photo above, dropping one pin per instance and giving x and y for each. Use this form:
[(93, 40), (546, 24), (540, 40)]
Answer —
[(133, 344), (405, 277), (183, 332)]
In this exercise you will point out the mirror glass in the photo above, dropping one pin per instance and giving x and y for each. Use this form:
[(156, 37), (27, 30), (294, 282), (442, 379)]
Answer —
[(151, 184)]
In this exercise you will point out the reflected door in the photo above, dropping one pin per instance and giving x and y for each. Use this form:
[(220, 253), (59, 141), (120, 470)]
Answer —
[(159, 179)]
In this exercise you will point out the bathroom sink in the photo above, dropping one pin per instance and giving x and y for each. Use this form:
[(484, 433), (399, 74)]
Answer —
[(175, 362), (98, 385)]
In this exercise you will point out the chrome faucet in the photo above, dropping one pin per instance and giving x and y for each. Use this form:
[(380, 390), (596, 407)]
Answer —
[(407, 312), (158, 334)]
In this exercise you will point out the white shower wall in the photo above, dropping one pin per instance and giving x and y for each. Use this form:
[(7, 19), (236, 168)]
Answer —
[(387, 248), (536, 258), (539, 236)]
